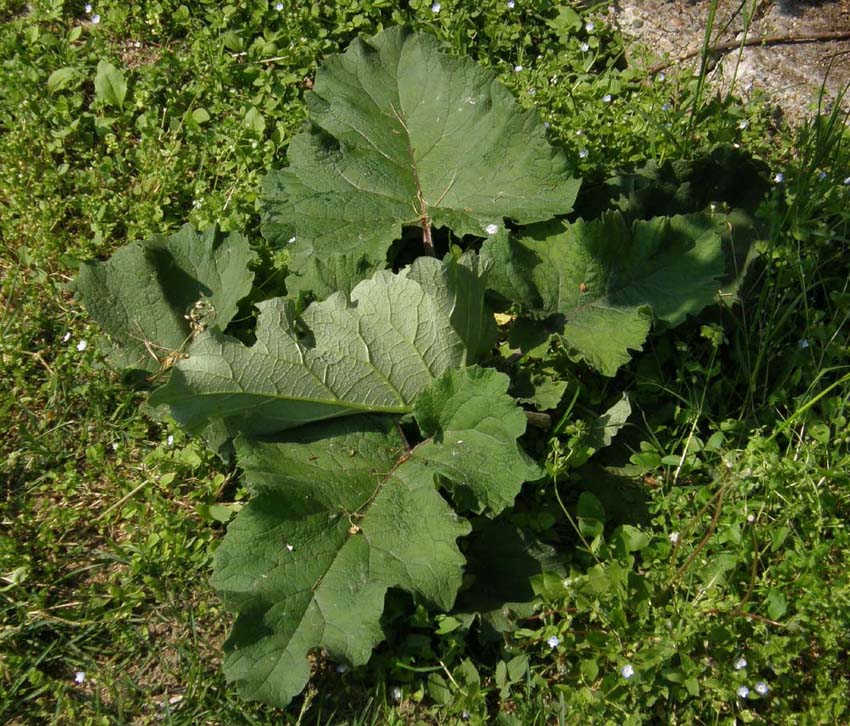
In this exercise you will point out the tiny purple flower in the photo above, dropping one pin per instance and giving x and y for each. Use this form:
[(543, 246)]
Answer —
[(87, 8), (590, 26), (627, 671), (553, 642), (741, 663), (95, 19)]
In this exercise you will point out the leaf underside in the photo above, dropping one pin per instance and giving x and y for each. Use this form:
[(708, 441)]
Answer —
[(345, 510), (145, 296), (603, 281), (403, 135)]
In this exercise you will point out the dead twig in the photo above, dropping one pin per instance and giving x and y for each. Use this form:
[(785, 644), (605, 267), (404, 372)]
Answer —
[(764, 40)]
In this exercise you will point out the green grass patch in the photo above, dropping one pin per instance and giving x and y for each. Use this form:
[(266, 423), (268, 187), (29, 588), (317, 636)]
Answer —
[(702, 553)]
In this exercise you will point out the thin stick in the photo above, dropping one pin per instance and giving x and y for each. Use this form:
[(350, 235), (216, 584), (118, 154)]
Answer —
[(825, 36)]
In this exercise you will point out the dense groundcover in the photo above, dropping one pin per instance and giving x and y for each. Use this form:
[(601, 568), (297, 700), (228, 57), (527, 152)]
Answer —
[(449, 367)]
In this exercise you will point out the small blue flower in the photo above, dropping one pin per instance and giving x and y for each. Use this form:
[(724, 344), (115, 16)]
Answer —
[(436, 7), (743, 123), (743, 691), (779, 177), (584, 47), (511, 4), (846, 182), (607, 98), (87, 8), (666, 107), (95, 19), (661, 77), (278, 6), (741, 663), (396, 694), (582, 153), (627, 671), (80, 677), (341, 668), (553, 642), (821, 175), (761, 688), (590, 26), (803, 343)]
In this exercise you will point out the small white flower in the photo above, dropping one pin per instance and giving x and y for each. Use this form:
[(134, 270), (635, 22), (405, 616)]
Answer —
[(396, 694), (169, 441), (115, 446), (517, 68), (579, 132), (289, 547), (290, 240), (761, 688), (341, 668), (674, 537), (821, 175), (803, 343), (627, 671), (779, 177), (278, 6), (743, 691), (590, 26), (66, 337), (546, 124), (661, 77), (436, 7), (95, 19), (741, 663), (666, 107), (582, 153), (511, 4), (743, 123), (607, 98), (80, 677), (584, 47), (82, 345), (491, 228), (87, 8), (846, 182), (751, 518), (553, 642)]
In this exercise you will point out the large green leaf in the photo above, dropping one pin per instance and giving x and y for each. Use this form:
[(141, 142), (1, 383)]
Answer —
[(402, 134), (151, 298), (345, 510), (341, 515), (374, 353), (475, 425), (604, 281)]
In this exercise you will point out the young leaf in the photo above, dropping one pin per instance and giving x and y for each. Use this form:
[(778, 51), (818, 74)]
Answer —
[(401, 135), (147, 297), (341, 515), (109, 85), (605, 281), (474, 426), (372, 354)]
